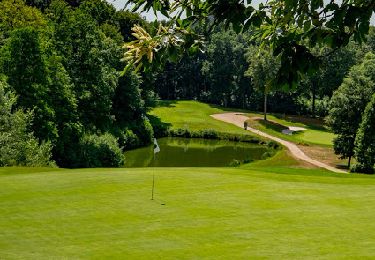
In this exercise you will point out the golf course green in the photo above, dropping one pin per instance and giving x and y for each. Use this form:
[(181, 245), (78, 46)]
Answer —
[(276, 208), (197, 213)]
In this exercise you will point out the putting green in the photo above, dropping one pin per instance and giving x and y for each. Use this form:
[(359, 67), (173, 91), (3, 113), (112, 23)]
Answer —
[(214, 213)]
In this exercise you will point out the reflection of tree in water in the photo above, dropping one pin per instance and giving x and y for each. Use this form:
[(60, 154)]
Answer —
[(184, 152)]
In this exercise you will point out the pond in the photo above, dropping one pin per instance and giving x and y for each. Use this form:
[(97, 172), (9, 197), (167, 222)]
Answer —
[(186, 152)]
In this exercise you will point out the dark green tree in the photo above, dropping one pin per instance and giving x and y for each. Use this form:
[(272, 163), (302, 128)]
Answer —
[(348, 104), (365, 140), (27, 72), (87, 57), (224, 66)]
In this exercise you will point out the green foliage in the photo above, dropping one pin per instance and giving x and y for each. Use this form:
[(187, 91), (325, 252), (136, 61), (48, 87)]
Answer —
[(290, 28), (100, 151), (224, 66), (27, 71), (365, 139), (83, 48), (18, 147), (127, 101), (16, 14), (126, 20), (348, 104), (143, 129), (100, 10)]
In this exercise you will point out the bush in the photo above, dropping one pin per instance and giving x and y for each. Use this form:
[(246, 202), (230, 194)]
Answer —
[(360, 168), (18, 147), (101, 151), (143, 129), (128, 140)]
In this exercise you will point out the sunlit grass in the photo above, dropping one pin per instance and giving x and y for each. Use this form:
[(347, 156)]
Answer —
[(211, 213)]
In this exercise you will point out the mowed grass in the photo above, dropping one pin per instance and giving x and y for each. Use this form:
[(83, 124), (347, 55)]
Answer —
[(315, 133), (275, 208), (193, 115), (210, 213)]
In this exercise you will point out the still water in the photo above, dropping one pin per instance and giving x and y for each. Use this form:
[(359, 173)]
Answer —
[(185, 152)]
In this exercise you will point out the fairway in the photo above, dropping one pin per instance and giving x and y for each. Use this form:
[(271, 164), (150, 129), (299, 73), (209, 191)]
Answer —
[(208, 213), (194, 115)]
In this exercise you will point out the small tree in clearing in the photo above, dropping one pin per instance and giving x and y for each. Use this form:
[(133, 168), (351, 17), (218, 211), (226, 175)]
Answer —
[(262, 70)]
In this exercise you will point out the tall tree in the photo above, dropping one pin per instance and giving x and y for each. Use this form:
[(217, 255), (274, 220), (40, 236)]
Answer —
[(262, 70), (365, 140), (348, 104)]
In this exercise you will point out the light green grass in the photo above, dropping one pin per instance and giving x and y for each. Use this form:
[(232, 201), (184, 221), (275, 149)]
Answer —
[(316, 135), (194, 115), (210, 213)]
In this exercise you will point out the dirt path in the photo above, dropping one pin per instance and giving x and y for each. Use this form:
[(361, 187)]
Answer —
[(238, 119)]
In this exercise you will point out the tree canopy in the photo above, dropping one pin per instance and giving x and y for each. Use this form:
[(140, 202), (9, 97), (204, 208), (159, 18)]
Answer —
[(289, 28)]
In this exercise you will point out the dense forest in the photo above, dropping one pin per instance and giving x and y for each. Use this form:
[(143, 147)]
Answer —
[(66, 99)]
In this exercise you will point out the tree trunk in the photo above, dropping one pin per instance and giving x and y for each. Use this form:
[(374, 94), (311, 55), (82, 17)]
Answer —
[(350, 158), (265, 106)]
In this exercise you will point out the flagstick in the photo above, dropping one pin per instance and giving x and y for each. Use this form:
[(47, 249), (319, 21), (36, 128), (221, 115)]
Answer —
[(153, 186)]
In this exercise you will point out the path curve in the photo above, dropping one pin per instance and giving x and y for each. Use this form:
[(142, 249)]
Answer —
[(238, 119)]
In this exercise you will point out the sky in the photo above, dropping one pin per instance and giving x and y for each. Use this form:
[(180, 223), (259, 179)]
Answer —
[(150, 16)]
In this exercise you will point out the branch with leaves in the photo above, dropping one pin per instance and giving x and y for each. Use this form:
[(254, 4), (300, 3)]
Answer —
[(291, 28)]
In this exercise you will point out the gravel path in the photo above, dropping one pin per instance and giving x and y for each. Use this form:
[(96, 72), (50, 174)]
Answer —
[(238, 119)]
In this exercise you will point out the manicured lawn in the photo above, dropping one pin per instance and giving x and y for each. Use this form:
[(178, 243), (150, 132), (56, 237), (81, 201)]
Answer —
[(193, 115), (316, 133), (215, 213)]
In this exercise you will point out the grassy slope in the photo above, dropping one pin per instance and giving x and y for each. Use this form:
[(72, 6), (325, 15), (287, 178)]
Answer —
[(208, 213), (315, 135), (194, 115)]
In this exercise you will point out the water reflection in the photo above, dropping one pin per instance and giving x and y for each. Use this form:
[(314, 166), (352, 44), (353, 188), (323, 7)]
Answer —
[(185, 152)]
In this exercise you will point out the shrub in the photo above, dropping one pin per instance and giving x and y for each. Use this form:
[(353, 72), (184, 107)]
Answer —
[(18, 147), (143, 129), (101, 151), (128, 139)]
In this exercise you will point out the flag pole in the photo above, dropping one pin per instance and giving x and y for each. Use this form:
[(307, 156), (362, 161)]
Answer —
[(153, 186), (156, 150)]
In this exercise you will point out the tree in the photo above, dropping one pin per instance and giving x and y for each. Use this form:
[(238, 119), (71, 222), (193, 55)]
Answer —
[(26, 68), (224, 66), (334, 67), (289, 28), (18, 146), (262, 70), (348, 104), (88, 58), (16, 14), (365, 140), (126, 21), (99, 10)]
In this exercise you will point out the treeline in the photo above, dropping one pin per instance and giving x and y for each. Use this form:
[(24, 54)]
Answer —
[(232, 72), (63, 97)]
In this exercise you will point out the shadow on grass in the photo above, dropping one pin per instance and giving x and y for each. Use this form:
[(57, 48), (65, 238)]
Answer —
[(166, 103), (272, 125), (229, 109), (312, 123), (160, 128)]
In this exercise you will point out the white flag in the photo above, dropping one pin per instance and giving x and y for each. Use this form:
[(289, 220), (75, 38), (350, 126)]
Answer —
[(156, 146)]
